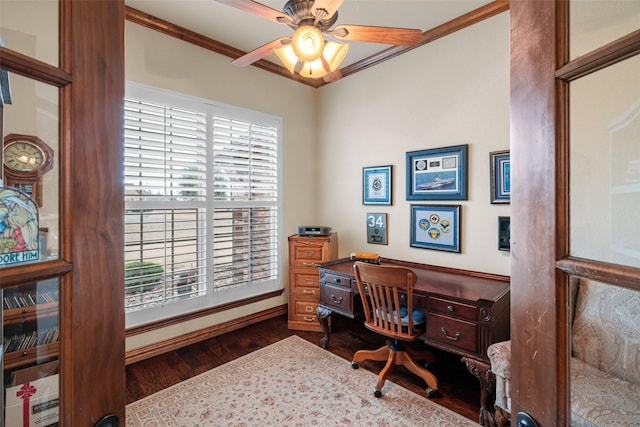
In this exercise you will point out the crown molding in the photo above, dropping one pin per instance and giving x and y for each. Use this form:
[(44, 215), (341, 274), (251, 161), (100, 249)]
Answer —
[(487, 11)]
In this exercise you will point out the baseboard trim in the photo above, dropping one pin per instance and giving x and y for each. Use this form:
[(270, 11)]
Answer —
[(155, 349)]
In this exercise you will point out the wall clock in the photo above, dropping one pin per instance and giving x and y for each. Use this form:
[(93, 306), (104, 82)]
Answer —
[(26, 158)]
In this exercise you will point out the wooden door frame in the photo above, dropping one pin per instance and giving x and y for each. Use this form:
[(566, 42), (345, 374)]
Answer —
[(92, 210), (91, 194), (540, 259), (539, 296)]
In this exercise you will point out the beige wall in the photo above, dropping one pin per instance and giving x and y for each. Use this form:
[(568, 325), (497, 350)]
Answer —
[(605, 165), (199, 72), (449, 92), (453, 91)]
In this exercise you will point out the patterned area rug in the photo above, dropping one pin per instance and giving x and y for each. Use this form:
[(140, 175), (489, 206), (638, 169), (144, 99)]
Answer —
[(289, 383)]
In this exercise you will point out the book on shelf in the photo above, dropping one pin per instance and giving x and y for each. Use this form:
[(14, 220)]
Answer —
[(28, 299), (25, 340)]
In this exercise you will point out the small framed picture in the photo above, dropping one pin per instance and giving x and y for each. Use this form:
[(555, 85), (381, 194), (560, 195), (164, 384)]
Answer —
[(436, 227), (500, 176), (437, 174), (376, 185), (504, 233)]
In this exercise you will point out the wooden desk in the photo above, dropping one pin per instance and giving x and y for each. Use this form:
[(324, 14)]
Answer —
[(466, 311)]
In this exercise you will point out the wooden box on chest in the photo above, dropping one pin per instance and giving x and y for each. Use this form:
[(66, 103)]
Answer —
[(305, 253)]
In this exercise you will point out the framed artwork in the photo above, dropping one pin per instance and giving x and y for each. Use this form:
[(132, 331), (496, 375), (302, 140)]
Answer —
[(377, 228), (19, 231), (504, 233), (436, 227), (500, 176), (376, 185), (437, 174)]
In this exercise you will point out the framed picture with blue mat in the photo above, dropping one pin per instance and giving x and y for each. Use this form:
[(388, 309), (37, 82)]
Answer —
[(376, 185), (436, 227), (437, 173)]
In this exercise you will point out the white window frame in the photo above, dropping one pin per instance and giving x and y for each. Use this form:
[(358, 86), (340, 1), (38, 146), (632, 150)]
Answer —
[(211, 297)]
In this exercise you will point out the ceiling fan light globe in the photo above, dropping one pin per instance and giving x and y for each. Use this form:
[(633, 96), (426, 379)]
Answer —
[(307, 43), (288, 57), (313, 69), (334, 53)]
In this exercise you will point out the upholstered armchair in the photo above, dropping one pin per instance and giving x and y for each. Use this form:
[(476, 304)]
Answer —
[(605, 358)]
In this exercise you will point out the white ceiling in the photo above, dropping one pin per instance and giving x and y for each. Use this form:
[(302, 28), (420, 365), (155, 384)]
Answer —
[(246, 31)]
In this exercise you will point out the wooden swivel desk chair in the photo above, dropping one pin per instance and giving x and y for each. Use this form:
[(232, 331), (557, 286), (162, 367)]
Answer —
[(387, 297)]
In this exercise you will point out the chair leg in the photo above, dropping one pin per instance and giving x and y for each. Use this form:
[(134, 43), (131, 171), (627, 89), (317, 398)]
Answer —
[(397, 356), (378, 355), (427, 376), (384, 373)]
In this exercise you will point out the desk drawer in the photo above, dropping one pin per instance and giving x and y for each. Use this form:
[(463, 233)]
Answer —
[(452, 332), (337, 297), (453, 308), (419, 301), (335, 279)]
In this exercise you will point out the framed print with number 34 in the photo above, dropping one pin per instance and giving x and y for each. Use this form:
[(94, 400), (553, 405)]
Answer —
[(376, 185)]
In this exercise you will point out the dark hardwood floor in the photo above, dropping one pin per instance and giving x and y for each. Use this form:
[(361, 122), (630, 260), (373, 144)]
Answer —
[(460, 390)]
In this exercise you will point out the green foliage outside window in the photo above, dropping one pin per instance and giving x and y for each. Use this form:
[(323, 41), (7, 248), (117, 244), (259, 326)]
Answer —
[(142, 276)]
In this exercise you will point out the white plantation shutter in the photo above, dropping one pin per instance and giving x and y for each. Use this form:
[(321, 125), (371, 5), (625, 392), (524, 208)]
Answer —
[(245, 161), (165, 155), (245, 181), (202, 200)]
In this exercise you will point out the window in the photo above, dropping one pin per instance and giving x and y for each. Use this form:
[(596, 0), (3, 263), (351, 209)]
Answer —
[(202, 203)]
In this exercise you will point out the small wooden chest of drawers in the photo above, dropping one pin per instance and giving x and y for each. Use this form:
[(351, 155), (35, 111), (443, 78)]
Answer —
[(305, 253)]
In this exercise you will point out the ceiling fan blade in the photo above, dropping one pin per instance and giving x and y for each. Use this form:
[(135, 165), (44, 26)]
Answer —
[(261, 52), (260, 10), (328, 6), (384, 35)]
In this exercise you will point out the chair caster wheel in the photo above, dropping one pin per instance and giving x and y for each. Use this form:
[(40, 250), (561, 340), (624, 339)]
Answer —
[(355, 365), (431, 393), (377, 393)]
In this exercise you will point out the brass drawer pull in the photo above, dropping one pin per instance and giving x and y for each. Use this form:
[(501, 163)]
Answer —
[(337, 301), (309, 264), (309, 319), (309, 292), (456, 338)]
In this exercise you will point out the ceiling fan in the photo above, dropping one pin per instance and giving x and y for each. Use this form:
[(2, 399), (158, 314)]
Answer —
[(306, 51)]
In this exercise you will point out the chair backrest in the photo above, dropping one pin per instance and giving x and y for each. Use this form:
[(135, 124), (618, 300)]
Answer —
[(384, 290)]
